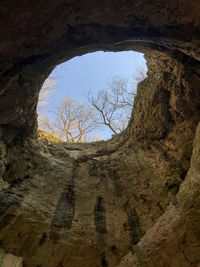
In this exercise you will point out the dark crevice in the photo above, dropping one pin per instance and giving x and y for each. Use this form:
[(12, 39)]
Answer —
[(43, 239), (99, 213), (104, 262), (116, 181), (133, 225), (65, 210)]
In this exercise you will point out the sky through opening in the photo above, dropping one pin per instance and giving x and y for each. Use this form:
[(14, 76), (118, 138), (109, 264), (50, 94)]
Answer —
[(90, 73)]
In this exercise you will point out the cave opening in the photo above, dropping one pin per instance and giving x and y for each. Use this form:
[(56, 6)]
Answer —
[(90, 97)]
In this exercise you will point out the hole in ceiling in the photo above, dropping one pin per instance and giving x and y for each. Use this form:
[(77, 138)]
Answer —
[(90, 98)]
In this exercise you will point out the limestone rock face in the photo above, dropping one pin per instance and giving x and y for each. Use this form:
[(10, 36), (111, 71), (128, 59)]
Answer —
[(53, 31), (9, 260), (131, 201)]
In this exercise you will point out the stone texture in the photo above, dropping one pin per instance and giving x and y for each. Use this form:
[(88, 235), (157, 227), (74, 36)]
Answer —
[(9, 260), (132, 201), (52, 32)]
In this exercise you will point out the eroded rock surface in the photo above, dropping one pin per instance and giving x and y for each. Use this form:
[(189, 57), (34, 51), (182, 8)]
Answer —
[(132, 201), (9, 260)]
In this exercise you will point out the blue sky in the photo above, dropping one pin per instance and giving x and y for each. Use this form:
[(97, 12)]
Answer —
[(91, 72)]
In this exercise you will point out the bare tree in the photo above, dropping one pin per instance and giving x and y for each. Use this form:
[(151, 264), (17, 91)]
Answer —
[(73, 121), (139, 75), (45, 92), (114, 105)]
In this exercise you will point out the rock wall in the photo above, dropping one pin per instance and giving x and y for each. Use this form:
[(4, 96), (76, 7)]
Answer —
[(52, 32), (9, 260), (131, 201)]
